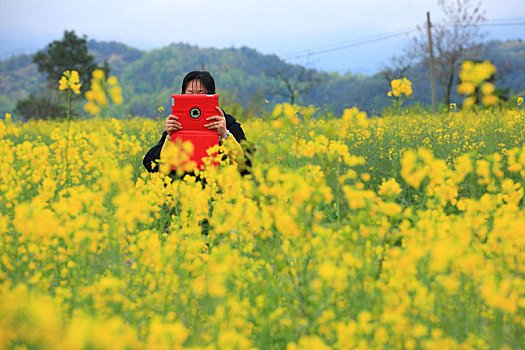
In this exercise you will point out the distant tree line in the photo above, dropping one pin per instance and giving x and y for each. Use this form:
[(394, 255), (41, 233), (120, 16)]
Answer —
[(245, 78)]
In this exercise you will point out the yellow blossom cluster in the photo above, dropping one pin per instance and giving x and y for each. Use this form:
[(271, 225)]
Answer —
[(474, 76), (70, 80), (400, 86), (100, 88), (291, 114), (178, 157), (350, 233), (476, 73)]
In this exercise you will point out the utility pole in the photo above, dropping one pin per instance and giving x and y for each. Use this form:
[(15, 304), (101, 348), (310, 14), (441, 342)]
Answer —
[(431, 66)]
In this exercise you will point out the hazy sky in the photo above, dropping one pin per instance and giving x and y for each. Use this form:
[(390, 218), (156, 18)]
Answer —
[(282, 27)]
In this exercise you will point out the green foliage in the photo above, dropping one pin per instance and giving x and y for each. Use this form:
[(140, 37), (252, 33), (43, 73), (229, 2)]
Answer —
[(44, 104), (5, 103), (18, 76), (148, 78), (70, 53), (118, 55)]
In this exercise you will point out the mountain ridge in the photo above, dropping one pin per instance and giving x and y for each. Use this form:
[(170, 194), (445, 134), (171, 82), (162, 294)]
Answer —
[(148, 76)]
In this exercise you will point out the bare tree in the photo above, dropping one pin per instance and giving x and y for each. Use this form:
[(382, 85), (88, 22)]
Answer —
[(397, 67), (454, 38), (293, 81)]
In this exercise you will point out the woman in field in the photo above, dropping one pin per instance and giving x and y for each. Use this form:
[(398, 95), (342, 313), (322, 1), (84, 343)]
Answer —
[(229, 130)]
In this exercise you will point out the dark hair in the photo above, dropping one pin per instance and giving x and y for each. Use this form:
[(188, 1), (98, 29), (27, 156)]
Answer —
[(205, 78)]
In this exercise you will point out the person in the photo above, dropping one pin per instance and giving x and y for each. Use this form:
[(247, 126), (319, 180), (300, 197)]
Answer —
[(228, 129)]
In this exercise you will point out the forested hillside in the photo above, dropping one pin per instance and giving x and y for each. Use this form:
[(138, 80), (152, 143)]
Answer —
[(246, 76)]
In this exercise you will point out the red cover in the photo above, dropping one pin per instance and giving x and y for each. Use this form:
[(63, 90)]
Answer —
[(192, 111)]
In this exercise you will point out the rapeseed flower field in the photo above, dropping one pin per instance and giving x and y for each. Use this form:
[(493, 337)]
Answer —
[(351, 232)]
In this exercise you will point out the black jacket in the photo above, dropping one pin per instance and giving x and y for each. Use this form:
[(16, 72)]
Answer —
[(232, 125)]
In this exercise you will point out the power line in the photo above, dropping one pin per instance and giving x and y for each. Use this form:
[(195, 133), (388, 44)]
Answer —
[(381, 37), (500, 24), (335, 47), (387, 35), (367, 40), (355, 43), (348, 42), (503, 24), (506, 19)]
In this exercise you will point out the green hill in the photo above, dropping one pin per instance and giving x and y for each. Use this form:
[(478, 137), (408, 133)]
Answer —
[(243, 75)]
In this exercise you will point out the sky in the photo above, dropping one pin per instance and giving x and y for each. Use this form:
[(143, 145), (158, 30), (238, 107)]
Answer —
[(295, 30)]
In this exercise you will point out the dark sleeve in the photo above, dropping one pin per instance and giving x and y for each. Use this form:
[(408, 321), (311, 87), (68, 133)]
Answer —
[(153, 155), (236, 130)]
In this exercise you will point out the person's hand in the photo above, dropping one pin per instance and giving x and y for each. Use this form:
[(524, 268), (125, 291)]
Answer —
[(172, 124), (218, 123)]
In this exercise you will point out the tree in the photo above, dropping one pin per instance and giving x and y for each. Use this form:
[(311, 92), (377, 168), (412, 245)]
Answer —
[(397, 68), (70, 53), (454, 38), (293, 81), (41, 105)]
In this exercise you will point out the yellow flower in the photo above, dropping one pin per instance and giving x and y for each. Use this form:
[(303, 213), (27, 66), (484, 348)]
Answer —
[(466, 88), (395, 87), (112, 81), (99, 91), (476, 73), (467, 66), (406, 88), (389, 188), (62, 84), (519, 101), (308, 342), (98, 74), (71, 80), (489, 100), (101, 98), (116, 94), (74, 78), (90, 95), (487, 88), (485, 70), (395, 83), (469, 102), (76, 88), (117, 99), (401, 86), (92, 108), (95, 85)]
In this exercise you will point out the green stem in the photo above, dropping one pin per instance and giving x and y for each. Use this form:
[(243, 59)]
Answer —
[(399, 102), (68, 111)]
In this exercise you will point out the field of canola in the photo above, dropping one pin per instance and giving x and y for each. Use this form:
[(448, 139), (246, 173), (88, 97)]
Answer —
[(403, 232)]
